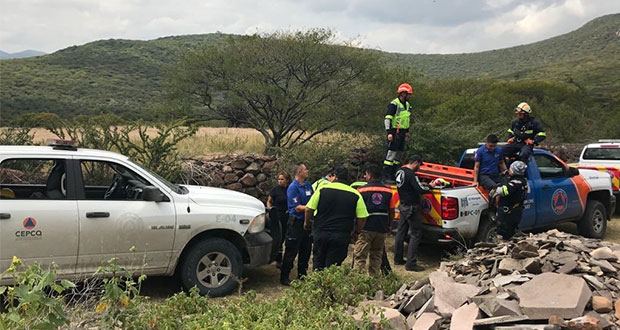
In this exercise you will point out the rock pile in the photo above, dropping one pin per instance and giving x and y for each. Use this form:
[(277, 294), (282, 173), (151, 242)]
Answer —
[(551, 280), (251, 174)]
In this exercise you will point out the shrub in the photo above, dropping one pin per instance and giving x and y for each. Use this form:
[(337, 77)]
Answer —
[(35, 300), (15, 136)]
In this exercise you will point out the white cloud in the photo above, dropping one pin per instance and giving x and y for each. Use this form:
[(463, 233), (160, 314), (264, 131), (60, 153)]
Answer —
[(423, 26)]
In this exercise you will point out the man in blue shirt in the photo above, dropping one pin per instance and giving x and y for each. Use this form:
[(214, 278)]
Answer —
[(298, 240), (488, 162)]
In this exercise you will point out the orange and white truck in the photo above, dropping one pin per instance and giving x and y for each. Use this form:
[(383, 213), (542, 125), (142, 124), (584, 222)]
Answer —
[(557, 193), (603, 156)]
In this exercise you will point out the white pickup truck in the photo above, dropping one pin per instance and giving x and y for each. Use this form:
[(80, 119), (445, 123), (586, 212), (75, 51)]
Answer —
[(557, 193), (80, 207), (603, 156)]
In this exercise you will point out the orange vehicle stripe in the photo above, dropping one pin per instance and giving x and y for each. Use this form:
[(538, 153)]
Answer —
[(583, 189)]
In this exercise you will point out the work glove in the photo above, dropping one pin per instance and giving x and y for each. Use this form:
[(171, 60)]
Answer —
[(511, 140), (529, 142)]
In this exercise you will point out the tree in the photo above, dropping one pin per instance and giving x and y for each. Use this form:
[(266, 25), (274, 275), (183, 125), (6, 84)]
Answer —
[(290, 86)]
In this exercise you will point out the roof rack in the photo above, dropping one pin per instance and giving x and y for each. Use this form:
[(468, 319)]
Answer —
[(60, 144), (609, 141)]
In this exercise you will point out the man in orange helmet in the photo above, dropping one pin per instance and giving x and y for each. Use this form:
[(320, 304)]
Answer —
[(397, 120)]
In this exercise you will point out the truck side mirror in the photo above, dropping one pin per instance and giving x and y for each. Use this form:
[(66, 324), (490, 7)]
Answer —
[(572, 171), (152, 194)]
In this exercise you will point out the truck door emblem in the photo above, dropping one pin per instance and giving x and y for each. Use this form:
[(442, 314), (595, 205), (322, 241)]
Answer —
[(29, 223), (559, 201)]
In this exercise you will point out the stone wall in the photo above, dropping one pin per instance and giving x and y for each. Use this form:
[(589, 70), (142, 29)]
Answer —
[(249, 173)]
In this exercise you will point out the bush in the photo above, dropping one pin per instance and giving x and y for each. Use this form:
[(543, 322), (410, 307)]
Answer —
[(319, 302), (35, 301), (15, 136)]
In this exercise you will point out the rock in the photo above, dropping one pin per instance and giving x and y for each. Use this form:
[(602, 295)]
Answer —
[(450, 295), (411, 319), (217, 181), (601, 304), (604, 265), (532, 265), (593, 281), (551, 294), (428, 321), (463, 318), (502, 280), (554, 319), (227, 169), (417, 300), (500, 307), (261, 177), (239, 174), (568, 267), (603, 322), (269, 167), (265, 186), (251, 191), (500, 320), (509, 265), (428, 307), (234, 186), (238, 164), (230, 178), (584, 322), (395, 320), (617, 308), (253, 168), (248, 180), (603, 253), (547, 267), (379, 295)]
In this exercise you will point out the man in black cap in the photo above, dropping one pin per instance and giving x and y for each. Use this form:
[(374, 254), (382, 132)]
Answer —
[(409, 190)]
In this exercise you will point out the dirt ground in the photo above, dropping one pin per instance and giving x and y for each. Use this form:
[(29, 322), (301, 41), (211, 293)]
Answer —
[(265, 280)]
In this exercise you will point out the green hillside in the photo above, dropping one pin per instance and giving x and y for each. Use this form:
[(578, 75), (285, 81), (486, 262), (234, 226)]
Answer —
[(126, 76)]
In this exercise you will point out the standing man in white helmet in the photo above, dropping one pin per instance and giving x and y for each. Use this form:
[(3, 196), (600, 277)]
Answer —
[(524, 133), (397, 122), (509, 199)]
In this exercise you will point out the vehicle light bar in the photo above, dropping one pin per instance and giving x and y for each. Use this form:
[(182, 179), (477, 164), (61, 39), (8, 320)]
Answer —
[(61, 144), (610, 145), (609, 141)]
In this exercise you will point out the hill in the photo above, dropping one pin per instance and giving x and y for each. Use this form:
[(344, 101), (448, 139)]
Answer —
[(22, 54), (127, 76)]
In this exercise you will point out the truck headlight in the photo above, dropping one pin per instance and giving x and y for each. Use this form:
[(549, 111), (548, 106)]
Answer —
[(257, 225)]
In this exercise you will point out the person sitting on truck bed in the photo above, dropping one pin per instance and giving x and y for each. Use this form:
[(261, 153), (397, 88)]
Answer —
[(488, 163), (524, 133), (509, 199)]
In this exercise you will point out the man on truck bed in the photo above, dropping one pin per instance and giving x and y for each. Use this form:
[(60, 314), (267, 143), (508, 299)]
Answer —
[(523, 134), (397, 121), (488, 163), (409, 189), (511, 197)]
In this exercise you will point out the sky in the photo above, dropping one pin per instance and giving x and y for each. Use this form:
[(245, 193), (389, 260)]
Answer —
[(414, 26)]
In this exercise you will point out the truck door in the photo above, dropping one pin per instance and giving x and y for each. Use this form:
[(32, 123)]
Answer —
[(116, 223), (38, 213), (556, 198)]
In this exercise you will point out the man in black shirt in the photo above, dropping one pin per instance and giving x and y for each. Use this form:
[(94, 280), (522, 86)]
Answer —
[(337, 205), (510, 201), (409, 191), (380, 205)]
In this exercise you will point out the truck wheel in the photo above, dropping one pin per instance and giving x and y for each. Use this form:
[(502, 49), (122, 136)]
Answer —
[(213, 266), (487, 230), (594, 221)]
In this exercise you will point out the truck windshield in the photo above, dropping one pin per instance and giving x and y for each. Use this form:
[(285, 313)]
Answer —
[(602, 153), (174, 187)]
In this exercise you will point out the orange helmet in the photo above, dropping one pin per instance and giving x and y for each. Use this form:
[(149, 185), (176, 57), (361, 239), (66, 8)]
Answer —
[(405, 88), (523, 107)]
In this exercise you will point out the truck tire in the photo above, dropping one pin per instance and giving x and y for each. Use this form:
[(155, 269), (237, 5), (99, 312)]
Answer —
[(487, 230), (594, 221), (213, 266)]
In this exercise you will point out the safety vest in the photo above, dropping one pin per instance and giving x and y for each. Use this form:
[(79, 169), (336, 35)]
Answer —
[(402, 116)]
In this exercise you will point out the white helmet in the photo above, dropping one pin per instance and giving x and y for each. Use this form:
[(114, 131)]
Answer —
[(518, 167), (523, 107)]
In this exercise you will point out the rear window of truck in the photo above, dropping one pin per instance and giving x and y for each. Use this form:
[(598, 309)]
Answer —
[(605, 153)]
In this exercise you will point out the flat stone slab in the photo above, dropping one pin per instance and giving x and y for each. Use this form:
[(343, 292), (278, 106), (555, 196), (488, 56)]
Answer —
[(395, 319), (500, 320), (463, 318), (603, 253), (551, 294), (450, 295), (428, 321)]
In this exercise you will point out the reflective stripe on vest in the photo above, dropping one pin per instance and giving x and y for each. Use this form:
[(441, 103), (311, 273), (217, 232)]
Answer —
[(403, 114)]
